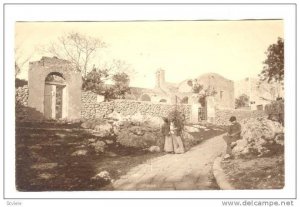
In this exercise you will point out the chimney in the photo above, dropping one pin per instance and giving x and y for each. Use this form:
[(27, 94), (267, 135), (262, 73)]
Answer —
[(160, 78)]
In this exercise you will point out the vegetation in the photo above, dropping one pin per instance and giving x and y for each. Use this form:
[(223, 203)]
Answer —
[(95, 82), (275, 110), (274, 64), (200, 91), (79, 49), (242, 101), (20, 82), (178, 118), (273, 70)]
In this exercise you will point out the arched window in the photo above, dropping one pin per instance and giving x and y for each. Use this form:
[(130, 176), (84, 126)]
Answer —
[(145, 97)]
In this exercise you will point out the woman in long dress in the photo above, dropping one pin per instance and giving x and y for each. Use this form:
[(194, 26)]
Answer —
[(165, 129), (177, 141)]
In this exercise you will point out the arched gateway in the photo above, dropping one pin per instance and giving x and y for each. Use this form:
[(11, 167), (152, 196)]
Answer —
[(55, 88)]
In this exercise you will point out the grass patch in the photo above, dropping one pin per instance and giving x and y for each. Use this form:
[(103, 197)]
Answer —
[(257, 173), (44, 161)]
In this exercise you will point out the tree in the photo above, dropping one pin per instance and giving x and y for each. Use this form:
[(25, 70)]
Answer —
[(121, 85), (96, 79), (20, 59), (79, 49), (242, 101), (273, 70), (200, 91)]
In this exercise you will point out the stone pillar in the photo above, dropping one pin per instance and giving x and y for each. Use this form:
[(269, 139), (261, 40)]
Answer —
[(211, 109)]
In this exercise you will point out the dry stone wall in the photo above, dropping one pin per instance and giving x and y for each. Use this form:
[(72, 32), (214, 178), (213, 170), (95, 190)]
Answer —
[(222, 116), (91, 109), (21, 102), (22, 95)]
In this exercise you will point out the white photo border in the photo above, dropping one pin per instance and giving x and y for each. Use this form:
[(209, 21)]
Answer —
[(13, 12)]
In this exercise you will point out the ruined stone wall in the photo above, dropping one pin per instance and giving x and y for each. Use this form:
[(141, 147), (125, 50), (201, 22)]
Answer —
[(222, 116), (91, 109)]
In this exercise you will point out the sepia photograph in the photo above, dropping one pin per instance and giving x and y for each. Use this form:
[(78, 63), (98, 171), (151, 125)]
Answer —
[(149, 105)]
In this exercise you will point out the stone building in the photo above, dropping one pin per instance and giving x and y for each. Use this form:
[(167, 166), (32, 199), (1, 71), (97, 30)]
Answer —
[(259, 94), (224, 97), (181, 92)]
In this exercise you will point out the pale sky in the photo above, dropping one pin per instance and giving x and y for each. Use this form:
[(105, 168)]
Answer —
[(184, 49)]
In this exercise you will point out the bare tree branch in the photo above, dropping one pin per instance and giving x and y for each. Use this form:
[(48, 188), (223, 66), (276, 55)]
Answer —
[(78, 49)]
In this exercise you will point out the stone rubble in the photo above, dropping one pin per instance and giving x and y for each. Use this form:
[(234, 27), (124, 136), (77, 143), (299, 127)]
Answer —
[(260, 137)]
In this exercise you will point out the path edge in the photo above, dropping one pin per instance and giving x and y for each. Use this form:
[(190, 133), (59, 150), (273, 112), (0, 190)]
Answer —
[(220, 176)]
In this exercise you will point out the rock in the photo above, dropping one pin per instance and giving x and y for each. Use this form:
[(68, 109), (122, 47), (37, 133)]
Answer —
[(154, 149), (260, 137), (104, 129), (99, 146), (137, 130), (92, 140), (85, 125), (111, 154), (79, 153), (108, 141), (103, 175), (114, 115), (44, 166), (139, 137)]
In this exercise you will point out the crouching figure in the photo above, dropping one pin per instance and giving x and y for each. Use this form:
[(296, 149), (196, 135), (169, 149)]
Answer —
[(233, 134)]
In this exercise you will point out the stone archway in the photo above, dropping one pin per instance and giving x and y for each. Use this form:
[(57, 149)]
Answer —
[(55, 96), (50, 76)]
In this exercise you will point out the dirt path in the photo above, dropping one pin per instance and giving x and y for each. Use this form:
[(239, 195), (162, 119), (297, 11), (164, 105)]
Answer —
[(189, 171)]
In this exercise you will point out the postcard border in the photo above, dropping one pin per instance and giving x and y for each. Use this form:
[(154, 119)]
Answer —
[(3, 7)]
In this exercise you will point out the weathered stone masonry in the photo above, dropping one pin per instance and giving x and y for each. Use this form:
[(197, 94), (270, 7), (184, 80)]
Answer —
[(91, 109)]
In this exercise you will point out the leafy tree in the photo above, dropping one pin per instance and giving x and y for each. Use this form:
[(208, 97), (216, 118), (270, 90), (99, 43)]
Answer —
[(196, 87), (242, 101), (121, 85), (95, 81), (201, 92), (273, 70)]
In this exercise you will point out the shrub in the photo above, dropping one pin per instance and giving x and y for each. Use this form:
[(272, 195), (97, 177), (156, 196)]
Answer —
[(178, 117), (275, 111)]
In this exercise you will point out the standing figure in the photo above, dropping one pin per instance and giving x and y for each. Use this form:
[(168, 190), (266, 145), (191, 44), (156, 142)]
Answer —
[(234, 134), (177, 141), (165, 130)]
